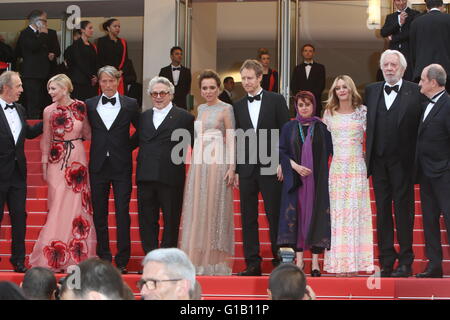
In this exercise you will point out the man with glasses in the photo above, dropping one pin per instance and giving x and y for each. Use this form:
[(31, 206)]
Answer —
[(32, 46), (165, 131), (168, 275)]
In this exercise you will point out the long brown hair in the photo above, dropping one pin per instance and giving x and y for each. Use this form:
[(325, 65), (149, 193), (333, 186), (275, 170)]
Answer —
[(332, 103)]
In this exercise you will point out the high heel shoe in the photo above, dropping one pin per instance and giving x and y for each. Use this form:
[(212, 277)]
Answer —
[(315, 273)]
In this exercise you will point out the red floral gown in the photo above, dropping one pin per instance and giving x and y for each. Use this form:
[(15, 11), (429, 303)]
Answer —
[(68, 236)]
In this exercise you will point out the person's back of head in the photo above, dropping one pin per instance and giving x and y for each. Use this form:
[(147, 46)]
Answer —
[(287, 282), (10, 291), (99, 280), (39, 284), (434, 4)]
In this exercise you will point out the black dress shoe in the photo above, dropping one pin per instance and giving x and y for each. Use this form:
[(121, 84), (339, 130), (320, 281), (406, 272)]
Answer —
[(20, 268), (430, 273), (403, 271), (315, 273), (386, 272), (123, 270), (250, 272)]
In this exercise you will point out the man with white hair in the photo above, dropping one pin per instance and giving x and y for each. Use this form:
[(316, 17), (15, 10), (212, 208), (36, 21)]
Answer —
[(160, 173), (168, 275), (433, 165), (393, 113)]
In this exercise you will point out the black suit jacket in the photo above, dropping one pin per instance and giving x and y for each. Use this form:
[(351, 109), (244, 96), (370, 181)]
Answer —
[(273, 115), (225, 97), (53, 47), (400, 35), (116, 140), (9, 151), (6, 53), (183, 87), (429, 41), (83, 63), (314, 83), (34, 50), (433, 141), (154, 162), (408, 121)]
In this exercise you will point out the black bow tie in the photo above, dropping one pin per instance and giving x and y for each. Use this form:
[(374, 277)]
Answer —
[(389, 89), (176, 68), (434, 97), (105, 100), (10, 106), (257, 98), (308, 64)]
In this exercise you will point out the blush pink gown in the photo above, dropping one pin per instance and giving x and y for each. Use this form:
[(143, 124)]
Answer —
[(68, 236)]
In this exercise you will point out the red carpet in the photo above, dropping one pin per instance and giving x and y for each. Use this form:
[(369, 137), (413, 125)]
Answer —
[(327, 287)]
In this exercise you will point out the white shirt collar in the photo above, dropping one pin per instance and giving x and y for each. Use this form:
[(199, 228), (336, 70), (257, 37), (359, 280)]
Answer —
[(260, 91), (114, 96), (436, 98), (166, 109), (172, 66), (434, 9), (32, 28), (399, 83), (3, 103)]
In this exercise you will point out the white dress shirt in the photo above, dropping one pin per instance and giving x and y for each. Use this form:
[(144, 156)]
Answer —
[(160, 114), (108, 112), (15, 124), (175, 74), (308, 70), (431, 105), (254, 108), (389, 98)]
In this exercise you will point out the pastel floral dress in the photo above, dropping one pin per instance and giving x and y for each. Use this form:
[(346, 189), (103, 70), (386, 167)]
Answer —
[(68, 236), (351, 247)]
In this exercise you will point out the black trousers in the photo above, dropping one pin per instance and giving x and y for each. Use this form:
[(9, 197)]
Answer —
[(153, 196), (392, 183), (435, 198), (270, 189), (15, 196), (35, 97), (100, 186)]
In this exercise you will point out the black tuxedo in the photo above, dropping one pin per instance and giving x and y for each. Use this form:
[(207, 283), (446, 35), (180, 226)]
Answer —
[(116, 169), (183, 87), (225, 97), (400, 35), (433, 168), (391, 142), (429, 34), (53, 47), (33, 48), (314, 83), (13, 175), (273, 115), (160, 181)]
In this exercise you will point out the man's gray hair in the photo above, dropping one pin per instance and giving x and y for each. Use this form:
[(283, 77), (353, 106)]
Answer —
[(6, 79), (176, 262), (400, 56), (162, 80), (35, 15), (437, 72), (109, 70)]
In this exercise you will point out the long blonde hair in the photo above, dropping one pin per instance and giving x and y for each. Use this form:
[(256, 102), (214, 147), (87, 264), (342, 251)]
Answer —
[(332, 103)]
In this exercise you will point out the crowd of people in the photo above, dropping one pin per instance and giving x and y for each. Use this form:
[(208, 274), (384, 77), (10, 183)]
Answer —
[(250, 145)]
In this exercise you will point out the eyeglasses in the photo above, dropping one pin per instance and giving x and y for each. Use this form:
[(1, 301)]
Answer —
[(151, 283), (162, 94)]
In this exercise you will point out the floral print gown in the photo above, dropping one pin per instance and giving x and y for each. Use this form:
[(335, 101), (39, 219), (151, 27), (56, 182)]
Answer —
[(68, 236), (350, 212)]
